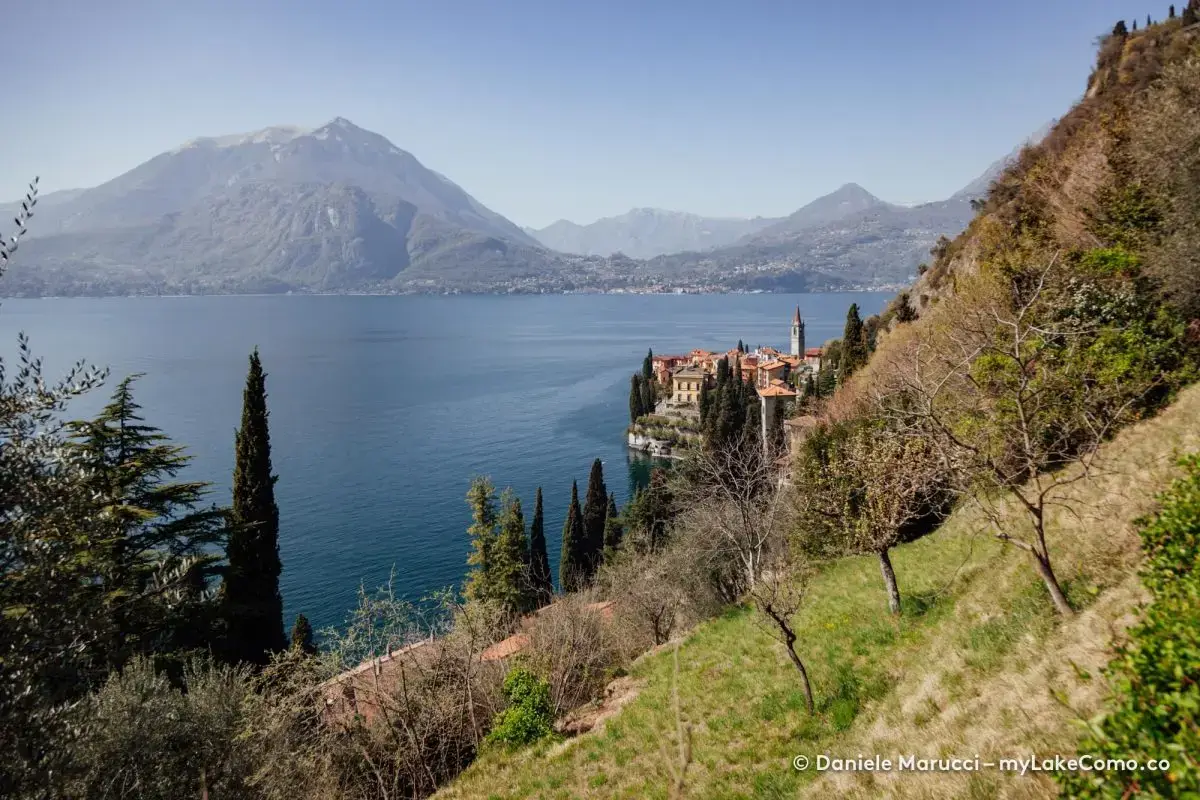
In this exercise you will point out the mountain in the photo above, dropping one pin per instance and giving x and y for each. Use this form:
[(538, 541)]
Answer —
[(647, 232), (338, 207), (848, 200)]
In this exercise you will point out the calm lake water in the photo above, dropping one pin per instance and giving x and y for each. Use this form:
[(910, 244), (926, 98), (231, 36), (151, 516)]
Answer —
[(383, 408)]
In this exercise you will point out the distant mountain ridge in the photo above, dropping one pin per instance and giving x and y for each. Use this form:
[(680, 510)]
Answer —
[(340, 208), (647, 232)]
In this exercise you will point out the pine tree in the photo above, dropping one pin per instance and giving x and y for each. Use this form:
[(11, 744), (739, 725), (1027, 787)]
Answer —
[(572, 569), (637, 409), (251, 605), (539, 560), (595, 508), (148, 527), (509, 568), (854, 351), (613, 531), (481, 497), (302, 636)]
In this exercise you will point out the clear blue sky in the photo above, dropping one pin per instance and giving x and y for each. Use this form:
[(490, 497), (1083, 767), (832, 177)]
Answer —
[(564, 108)]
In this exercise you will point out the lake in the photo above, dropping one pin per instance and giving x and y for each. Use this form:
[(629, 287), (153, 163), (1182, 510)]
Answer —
[(383, 408)]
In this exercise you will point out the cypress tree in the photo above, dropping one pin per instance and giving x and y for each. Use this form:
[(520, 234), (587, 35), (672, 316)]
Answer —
[(1120, 30), (595, 508), (481, 497), (648, 365), (854, 353), (302, 636), (636, 407), (509, 567), (705, 402), (1149, 21), (1135, 26), (572, 572), (1171, 13), (613, 531), (646, 390), (1189, 15), (539, 560), (252, 607), (775, 430)]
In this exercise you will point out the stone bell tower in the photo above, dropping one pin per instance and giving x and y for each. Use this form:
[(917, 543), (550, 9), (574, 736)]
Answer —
[(797, 334)]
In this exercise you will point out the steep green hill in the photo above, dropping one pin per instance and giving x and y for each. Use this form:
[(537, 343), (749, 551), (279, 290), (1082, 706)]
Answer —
[(977, 664)]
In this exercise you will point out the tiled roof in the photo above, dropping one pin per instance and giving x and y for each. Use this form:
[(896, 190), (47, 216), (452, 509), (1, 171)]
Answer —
[(813, 351), (776, 390)]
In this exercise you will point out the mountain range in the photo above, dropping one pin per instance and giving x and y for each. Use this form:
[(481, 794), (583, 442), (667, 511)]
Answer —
[(340, 208)]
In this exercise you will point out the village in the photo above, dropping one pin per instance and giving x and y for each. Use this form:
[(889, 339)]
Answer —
[(778, 378)]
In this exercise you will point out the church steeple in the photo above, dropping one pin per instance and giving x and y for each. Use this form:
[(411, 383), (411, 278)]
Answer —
[(797, 334)]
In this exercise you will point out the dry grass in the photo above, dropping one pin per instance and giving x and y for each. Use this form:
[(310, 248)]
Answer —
[(979, 663)]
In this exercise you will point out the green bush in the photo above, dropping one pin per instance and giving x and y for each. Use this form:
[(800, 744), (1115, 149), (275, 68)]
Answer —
[(1155, 710), (530, 714)]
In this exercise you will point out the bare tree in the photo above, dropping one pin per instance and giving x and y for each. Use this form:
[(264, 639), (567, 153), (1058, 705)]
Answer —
[(733, 499), (778, 596), (1005, 392)]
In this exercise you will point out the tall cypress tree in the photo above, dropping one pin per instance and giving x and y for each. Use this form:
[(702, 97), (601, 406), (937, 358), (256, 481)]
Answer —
[(595, 509), (646, 388), (539, 560), (481, 497), (509, 568), (705, 403), (572, 564), (648, 365), (613, 531), (854, 347), (302, 636), (251, 605), (637, 407)]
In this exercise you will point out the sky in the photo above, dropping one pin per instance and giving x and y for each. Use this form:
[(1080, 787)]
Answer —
[(565, 108)]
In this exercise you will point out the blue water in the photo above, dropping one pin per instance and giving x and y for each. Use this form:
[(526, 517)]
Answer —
[(383, 408)]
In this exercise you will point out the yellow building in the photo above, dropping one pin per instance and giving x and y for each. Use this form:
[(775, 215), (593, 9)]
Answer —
[(685, 385)]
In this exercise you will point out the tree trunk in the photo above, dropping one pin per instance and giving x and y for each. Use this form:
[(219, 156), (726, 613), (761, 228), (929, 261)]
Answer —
[(808, 695), (1056, 593), (889, 580)]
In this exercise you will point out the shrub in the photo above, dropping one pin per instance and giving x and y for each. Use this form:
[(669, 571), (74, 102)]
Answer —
[(529, 716), (1155, 708)]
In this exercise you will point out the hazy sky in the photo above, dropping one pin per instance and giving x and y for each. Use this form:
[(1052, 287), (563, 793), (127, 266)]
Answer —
[(564, 108)]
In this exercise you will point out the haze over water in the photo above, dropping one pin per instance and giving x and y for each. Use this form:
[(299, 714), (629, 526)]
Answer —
[(383, 408)]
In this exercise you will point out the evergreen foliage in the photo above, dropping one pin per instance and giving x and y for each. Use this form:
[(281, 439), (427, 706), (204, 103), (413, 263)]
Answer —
[(705, 403), (613, 531), (854, 345), (595, 509), (481, 497), (540, 576), (1120, 30), (649, 513), (252, 608), (510, 584), (637, 401), (646, 389), (648, 365), (302, 636), (572, 566), (149, 521)]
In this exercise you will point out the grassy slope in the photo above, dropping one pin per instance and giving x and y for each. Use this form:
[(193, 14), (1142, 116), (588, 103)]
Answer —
[(977, 664)]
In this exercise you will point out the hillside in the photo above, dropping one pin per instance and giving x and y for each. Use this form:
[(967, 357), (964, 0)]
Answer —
[(977, 664), (1058, 329)]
